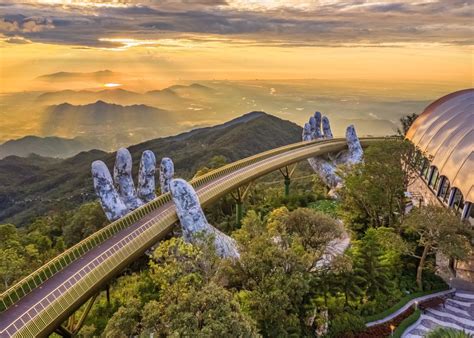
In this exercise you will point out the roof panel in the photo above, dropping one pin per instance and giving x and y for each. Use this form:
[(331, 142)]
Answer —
[(456, 112), (452, 133), (445, 132), (466, 174), (435, 112)]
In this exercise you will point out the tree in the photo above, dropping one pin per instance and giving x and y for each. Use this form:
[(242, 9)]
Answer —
[(215, 162), (373, 194), (369, 263), (191, 302), (124, 322), (13, 260), (205, 312), (438, 230), (314, 229), (86, 220), (347, 278), (406, 123), (11, 266), (273, 273)]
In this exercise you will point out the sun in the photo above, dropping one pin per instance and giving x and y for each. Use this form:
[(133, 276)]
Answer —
[(112, 85)]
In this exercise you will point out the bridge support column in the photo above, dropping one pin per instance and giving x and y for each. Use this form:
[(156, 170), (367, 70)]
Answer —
[(84, 315), (63, 332), (72, 328), (287, 174), (239, 197), (107, 292)]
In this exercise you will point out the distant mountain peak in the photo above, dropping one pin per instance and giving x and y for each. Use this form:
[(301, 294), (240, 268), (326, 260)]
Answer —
[(100, 75), (103, 103)]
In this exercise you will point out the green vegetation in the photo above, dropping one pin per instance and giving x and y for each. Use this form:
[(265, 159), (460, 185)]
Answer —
[(444, 332), (329, 207), (35, 186), (437, 230), (373, 194), (399, 305), (406, 323), (23, 250), (279, 286)]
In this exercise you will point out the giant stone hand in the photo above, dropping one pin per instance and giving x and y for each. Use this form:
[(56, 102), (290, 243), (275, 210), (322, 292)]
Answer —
[(193, 220), (119, 197), (326, 166)]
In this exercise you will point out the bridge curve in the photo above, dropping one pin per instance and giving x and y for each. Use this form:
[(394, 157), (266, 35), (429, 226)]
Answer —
[(43, 300)]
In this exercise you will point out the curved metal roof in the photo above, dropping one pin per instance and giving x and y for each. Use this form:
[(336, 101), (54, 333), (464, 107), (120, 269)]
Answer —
[(445, 133)]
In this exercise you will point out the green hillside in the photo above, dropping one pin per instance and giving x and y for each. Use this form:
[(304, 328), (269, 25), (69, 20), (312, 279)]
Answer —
[(36, 185)]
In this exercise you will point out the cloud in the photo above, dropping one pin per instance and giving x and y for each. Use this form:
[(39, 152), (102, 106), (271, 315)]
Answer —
[(17, 40), (20, 23), (272, 23)]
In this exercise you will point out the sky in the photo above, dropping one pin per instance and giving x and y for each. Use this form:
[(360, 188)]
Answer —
[(155, 43)]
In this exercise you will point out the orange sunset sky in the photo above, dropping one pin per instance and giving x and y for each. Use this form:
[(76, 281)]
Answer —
[(157, 43)]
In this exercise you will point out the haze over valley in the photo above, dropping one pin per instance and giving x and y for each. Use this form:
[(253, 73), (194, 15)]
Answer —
[(110, 115)]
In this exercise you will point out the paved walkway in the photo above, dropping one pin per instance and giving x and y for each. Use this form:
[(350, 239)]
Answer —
[(408, 305), (457, 313)]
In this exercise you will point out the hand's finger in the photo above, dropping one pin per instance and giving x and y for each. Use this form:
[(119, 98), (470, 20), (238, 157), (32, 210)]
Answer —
[(355, 149), (327, 128), (194, 222), (317, 131), (123, 179), (312, 124), (146, 177), (307, 132), (188, 208), (110, 201), (166, 174)]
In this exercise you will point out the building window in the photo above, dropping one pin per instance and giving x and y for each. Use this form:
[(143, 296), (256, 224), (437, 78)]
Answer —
[(434, 178), (471, 214), (437, 182), (458, 203), (421, 163), (426, 169), (444, 192)]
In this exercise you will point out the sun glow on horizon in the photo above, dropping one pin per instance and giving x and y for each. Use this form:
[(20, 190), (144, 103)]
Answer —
[(112, 85)]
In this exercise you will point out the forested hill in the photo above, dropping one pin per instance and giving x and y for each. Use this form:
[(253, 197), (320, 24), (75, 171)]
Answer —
[(34, 186)]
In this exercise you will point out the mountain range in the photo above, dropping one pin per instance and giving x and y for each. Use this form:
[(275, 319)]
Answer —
[(107, 120), (374, 110), (99, 76), (35, 185), (47, 146)]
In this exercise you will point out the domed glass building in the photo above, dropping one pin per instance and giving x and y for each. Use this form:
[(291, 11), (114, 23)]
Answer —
[(444, 135)]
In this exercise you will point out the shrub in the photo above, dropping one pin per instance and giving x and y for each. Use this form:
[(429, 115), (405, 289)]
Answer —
[(329, 207), (345, 324)]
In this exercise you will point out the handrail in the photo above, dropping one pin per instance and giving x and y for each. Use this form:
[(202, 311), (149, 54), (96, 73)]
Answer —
[(43, 273)]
